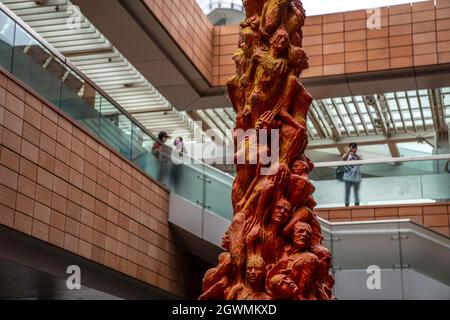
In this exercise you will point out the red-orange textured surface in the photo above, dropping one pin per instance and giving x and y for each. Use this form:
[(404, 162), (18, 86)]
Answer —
[(274, 243)]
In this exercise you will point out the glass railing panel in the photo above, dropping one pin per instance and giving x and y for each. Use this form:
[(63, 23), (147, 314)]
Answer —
[(436, 186), (218, 192), (186, 179), (364, 254), (37, 67), (7, 32), (141, 152), (81, 101), (115, 128), (388, 169), (326, 233), (419, 249), (385, 183), (379, 240)]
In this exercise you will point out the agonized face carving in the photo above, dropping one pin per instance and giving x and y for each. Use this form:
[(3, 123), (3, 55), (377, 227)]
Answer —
[(256, 270), (246, 43), (302, 235), (280, 40), (281, 212), (300, 167), (226, 241), (283, 287)]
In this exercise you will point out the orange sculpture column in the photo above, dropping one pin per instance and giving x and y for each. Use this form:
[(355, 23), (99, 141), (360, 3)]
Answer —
[(274, 244)]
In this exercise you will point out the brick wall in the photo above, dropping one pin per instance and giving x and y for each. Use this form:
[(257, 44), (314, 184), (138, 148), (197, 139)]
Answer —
[(340, 43), (64, 187), (189, 28), (434, 216), (336, 44)]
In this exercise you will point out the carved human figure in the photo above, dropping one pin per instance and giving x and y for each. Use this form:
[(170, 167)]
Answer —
[(266, 239), (216, 279), (283, 288), (226, 241), (299, 187), (236, 86), (271, 16), (302, 263), (237, 91), (252, 211), (292, 109), (324, 281), (253, 7), (268, 71), (251, 214), (306, 215), (248, 164), (274, 243), (253, 289), (294, 21)]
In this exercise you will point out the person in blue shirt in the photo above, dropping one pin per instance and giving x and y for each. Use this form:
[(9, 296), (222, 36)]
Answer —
[(352, 174)]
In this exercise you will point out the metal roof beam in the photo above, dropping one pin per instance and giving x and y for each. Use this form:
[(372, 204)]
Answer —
[(350, 115), (341, 118), (370, 140), (360, 115), (329, 120)]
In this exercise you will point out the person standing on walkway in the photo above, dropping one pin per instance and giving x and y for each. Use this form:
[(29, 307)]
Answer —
[(352, 174)]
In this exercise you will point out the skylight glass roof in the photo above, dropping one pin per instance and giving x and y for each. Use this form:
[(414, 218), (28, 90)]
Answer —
[(416, 112), (99, 60)]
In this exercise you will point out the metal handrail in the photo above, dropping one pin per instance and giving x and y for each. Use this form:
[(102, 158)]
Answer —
[(80, 74), (218, 4), (382, 160)]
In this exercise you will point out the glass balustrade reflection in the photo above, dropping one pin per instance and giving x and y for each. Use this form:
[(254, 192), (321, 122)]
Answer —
[(380, 257), (115, 128), (384, 183), (81, 101), (218, 192), (41, 69), (184, 176), (37, 66), (7, 32), (141, 152), (420, 247)]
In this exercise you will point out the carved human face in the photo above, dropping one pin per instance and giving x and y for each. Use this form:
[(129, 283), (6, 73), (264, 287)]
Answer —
[(302, 235), (280, 41), (226, 241), (299, 60), (246, 43), (283, 287), (300, 167), (255, 271), (281, 212)]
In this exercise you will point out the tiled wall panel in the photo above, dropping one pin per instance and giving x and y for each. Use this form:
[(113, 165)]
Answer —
[(190, 29), (340, 43), (62, 186), (434, 216)]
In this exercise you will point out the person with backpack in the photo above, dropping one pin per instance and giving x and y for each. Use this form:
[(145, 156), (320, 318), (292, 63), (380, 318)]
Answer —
[(352, 174)]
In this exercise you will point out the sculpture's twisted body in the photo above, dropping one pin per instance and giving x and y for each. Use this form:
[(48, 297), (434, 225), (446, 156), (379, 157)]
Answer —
[(274, 244)]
